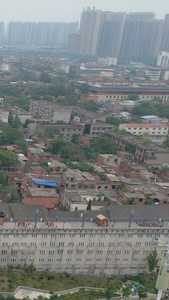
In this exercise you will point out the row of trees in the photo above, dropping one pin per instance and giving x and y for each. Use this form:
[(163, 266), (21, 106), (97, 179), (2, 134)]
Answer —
[(149, 108), (72, 150)]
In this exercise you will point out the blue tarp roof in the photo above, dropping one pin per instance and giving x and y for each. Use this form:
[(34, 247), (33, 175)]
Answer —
[(45, 183)]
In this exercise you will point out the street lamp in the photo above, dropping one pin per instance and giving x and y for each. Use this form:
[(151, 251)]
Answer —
[(36, 217), (162, 282)]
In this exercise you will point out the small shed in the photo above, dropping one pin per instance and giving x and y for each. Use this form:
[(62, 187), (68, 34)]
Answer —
[(101, 220)]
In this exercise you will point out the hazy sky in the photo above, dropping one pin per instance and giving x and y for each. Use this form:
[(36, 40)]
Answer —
[(70, 10)]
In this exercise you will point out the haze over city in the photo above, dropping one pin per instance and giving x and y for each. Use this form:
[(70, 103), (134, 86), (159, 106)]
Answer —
[(70, 10)]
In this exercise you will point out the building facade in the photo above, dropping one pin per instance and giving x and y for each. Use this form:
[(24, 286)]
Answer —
[(163, 60), (50, 111), (97, 251), (146, 130)]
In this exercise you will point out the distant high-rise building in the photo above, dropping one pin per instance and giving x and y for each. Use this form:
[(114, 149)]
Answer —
[(89, 31), (111, 33), (73, 43), (133, 32), (151, 38), (42, 33), (2, 33), (165, 37)]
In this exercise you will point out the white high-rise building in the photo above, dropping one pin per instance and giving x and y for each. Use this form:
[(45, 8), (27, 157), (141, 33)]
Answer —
[(163, 60)]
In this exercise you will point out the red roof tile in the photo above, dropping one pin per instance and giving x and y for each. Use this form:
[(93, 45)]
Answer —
[(47, 202)]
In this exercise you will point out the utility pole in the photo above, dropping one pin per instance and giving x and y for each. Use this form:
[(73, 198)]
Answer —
[(162, 282)]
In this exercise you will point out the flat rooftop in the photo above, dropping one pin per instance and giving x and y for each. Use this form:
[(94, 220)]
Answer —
[(78, 225)]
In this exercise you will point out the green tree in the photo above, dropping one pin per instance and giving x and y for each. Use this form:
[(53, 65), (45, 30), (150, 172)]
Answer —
[(84, 88), (10, 136), (54, 297), (27, 122), (75, 138), (166, 143), (85, 167), (115, 121), (133, 97), (123, 131), (8, 159), (126, 291), (16, 122), (3, 178), (90, 105), (51, 131), (109, 291), (103, 145), (56, 145), (47, 97), (89, 206), (149, 201), (22, 144), (152, 259), (102, 176), (145, 141), (45, 77), (142, 294), (45, 166)]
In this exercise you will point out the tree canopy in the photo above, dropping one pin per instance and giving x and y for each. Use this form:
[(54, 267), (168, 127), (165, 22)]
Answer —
[(133, 97), (145, 141), (152, 259), (166, 143), (66, 149), (10, 136), (8, 159), (45, 77), (90, 105), (142, 294), (115, 121), (103, 145), (149, 108), (84, 88)]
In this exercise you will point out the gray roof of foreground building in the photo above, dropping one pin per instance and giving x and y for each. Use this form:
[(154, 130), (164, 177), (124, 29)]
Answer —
[(127, 90), (141, 212), (42, 192), (117, 213)]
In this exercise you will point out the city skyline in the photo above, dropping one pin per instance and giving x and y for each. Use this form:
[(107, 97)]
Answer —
[(70, 10)]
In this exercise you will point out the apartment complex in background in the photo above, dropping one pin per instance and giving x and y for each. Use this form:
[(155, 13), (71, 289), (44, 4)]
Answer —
[(116, 34), (33, 33)]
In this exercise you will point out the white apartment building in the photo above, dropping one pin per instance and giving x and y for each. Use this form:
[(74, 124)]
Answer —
[(146, 130), (93, 251), (68, 246), (163, 60)]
